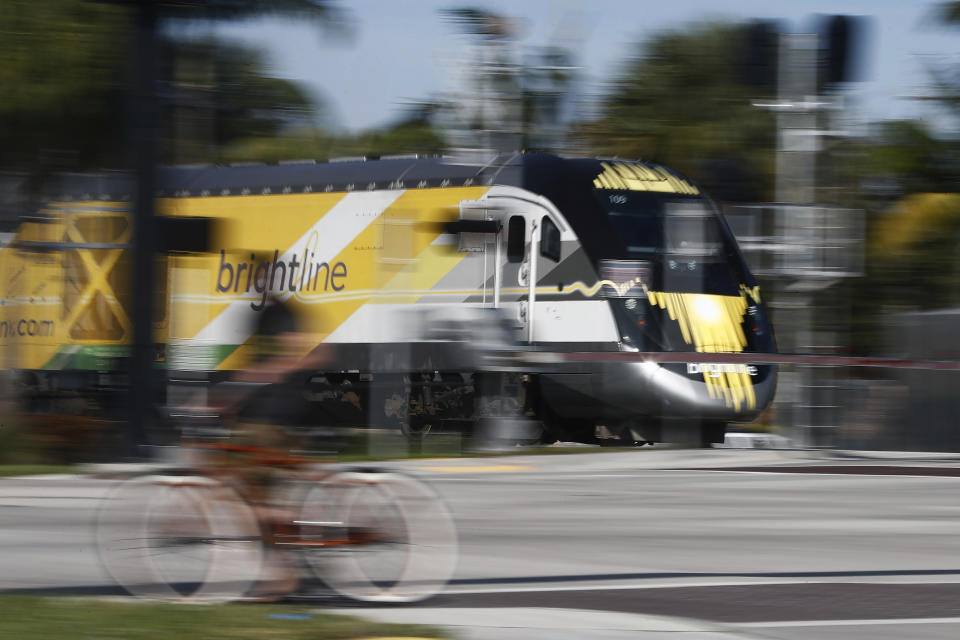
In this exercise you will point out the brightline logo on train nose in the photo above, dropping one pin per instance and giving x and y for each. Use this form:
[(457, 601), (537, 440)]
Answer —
[(262, 276), (714, 370)]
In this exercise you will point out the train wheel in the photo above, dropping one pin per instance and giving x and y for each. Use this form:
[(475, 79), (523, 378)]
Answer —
[(558, 429), (712, 432), (570, 431)]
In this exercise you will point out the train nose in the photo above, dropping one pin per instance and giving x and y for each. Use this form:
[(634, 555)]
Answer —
[(739, 392)]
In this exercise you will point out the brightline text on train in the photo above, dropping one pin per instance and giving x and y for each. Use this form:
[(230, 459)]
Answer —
[(713, 370), (262, 275)]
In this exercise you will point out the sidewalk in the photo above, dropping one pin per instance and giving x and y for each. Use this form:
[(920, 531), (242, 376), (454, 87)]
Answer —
[(898, 456), (523, 623), (663, 458)]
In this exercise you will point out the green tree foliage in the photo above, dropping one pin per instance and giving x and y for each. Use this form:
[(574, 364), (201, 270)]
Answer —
[(911, 248), (411, 135), (912, 258), (912, 245), (66, 74), (479, 22), (324, 13), (63, 71), (220, 93), (945, 77), (949, 13), (680, 100), (909, 155)]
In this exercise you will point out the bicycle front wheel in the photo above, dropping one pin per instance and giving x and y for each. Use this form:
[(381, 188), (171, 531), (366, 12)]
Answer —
[(180, 538), (379, 536)]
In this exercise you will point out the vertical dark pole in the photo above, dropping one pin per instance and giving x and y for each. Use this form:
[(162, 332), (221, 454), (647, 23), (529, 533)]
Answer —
[(145, 123)]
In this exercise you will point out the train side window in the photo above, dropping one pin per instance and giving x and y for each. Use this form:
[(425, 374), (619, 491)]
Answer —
[(549, 240), (516, 238)]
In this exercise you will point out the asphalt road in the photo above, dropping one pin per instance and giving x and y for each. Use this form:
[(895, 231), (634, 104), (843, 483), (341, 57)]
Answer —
[(780, 545)]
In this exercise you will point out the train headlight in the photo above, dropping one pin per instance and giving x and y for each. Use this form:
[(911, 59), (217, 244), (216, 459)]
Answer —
[(707, 310)]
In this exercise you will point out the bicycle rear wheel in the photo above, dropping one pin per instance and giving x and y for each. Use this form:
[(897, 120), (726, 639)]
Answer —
[(383, 537), (179, 538)]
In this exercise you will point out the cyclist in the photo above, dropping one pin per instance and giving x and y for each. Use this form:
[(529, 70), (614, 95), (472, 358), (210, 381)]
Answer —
[(262, 403)]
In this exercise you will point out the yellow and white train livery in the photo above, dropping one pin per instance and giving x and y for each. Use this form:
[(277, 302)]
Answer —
[(402, 268)]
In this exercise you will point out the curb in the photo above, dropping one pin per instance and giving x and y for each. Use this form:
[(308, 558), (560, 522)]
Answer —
[(536, 622)]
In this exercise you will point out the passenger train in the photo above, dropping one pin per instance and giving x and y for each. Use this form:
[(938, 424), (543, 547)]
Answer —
[(405, 269)]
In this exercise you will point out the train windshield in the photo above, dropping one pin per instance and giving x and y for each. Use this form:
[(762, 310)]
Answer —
[(680, 236), (652, 224), (672, 243)]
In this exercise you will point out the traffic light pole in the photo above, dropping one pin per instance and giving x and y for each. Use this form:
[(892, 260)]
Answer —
[(144, 123), (797, 143), (797, 134)]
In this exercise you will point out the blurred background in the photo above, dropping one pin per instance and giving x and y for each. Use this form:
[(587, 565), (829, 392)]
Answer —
[(826, 132)]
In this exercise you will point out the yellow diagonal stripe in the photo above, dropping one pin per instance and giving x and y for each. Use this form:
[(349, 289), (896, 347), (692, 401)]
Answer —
[(243, 224), (378, 256), (712, 324)]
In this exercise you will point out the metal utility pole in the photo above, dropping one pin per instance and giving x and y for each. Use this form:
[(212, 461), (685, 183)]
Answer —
[(796, 184), (797, 138), (811, 246), (145, 122)]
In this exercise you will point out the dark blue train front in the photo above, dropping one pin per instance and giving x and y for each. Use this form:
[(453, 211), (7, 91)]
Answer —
[(666, 263)]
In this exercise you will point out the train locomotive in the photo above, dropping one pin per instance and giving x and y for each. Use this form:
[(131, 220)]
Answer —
[(399, 266)]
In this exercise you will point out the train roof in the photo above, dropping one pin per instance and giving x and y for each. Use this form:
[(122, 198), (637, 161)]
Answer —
[(539, 172), (297, 177)]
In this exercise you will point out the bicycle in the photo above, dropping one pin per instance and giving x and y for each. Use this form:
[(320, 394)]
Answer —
[(370, 535)]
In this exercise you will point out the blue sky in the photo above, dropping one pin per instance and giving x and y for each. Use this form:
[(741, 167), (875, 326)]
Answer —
[(403, 51)]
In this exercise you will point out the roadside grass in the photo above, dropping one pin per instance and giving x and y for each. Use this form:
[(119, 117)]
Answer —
[(373, 448), (364, 448), (44, 617), (8, 470)]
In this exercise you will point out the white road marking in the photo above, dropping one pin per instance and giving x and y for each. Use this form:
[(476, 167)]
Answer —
[(846, 623), (849, 474), (944, 579), (540, 618)]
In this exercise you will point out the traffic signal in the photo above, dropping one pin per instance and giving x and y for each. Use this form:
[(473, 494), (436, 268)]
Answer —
[(841, 49), (760, 48)]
